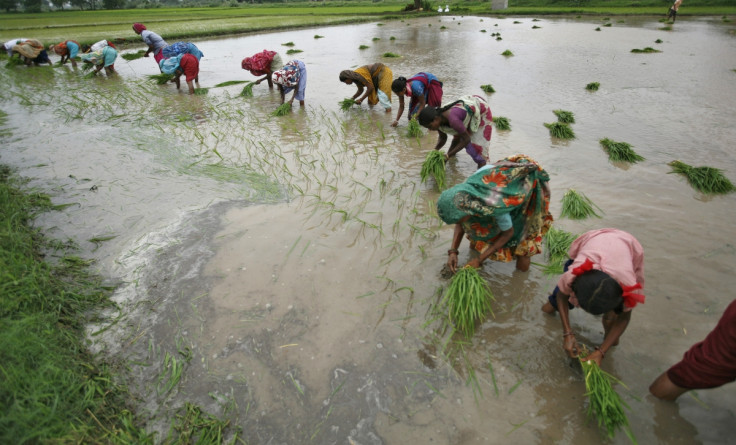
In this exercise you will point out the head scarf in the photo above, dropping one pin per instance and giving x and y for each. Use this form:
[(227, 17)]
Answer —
[(170, 65), (139, 27), (287, 76), (352, 75)]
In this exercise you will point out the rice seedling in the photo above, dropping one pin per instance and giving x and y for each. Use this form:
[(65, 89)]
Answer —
[(658, 41), (620, 151), (414, 130), (608, 25), (434, 165), (557, 243), (708, 180), (536, 27), (560, 130), (392, 38), (248, 90), (13, 61), (646, 50), (160, 78), (468, 300), (345, 104), (666, 28), (576, 205), (389, 54), (288, 44), (293, 51), (363, 47), (375, 39), (604, 403), (516, 22), (592, 86), (443, 27), (499, 38), (566, 117), (317, 36), (282, 110), (507, 53), (488, 88), (201, 91), (597, 29), (132, 56), (502, 123), (229, 82)]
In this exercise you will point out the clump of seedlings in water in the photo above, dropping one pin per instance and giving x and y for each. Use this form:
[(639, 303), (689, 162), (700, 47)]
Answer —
[(345, 104), (375, 39), (604, 403), (666, 28), (248, 90), (468, 300), (707, 180), (317, 36), (482, 30), (597, 29), (648, 49), (201, 91), (658, 41), (499, 38), (414, 130), (293, 51), (502, 123), (507, 53), (288, 44), (434, 166), (560, 130), (392, 38), (363, 47), (443, 27), (516, 22), (566, 117), (488, 88), (229, 82), (620, 151), (536, 27), (576, 205), (132, 56), (390, 55), (282, 110), (592, 86), (608, 25), (15, 61), (161, 78), (557, 243)]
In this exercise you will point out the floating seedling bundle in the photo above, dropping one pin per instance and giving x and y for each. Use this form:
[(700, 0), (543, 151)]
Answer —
[(620, 151), (13, 61), (507, 53), (648, 49), (468, 300), (488, 88), (577, 206), (201, 91), (229, 82), (560, 130), (282, 110), (604, 403), (434, 165), (345, 104), (557, 243), (248, 90), (502, 123), (566, 117), (390, 55), (161, 78), (132, 56), (414, 130), (592, 86), (708, 180)]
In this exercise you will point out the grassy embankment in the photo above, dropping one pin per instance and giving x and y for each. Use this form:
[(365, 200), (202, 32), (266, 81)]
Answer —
[(192, 23)]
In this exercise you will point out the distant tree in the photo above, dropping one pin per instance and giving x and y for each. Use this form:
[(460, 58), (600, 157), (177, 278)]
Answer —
[(9, 5), (113, 4), (58, 4), (32, 5)]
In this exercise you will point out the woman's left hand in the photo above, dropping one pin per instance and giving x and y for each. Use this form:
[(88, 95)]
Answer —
[(596, 356), (474, 262)]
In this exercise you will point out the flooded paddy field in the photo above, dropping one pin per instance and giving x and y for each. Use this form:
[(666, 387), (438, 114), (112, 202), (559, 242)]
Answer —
[(283, 273)]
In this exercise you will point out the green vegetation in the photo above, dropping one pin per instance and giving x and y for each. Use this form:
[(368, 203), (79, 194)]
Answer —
[(345, 104), (502, 123), (201, 91), (282, 109), (248, 90), (468, 300), (604, 403), (488, 88), (577, 206), (132, 56), (229, 82), (389, 54), (414, 130), (560, 130), (293, 51), (507, 53), (648, 49), (592, 86), (707, 180), (317, 36), (363, 47), (557, 243), (434, 165), (620, 151), (160, 78), (288, 44), (566, 117)]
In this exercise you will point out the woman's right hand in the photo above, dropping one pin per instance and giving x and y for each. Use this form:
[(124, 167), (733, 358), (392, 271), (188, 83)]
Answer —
[(452, 262), (571, 346), (395, 123)]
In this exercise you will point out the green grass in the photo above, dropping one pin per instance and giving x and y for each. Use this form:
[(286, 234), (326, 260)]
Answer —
[(560, 130), (488, 88), (468, 300), (201, 91), (592, 86), (576, 205), (707, 180), (363, 47), (434, 166), (620, 151), (566, 117), (293, 51), (502, 123)]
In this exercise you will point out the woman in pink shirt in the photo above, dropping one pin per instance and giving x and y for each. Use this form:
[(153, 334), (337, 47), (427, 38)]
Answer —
[(603, 277)]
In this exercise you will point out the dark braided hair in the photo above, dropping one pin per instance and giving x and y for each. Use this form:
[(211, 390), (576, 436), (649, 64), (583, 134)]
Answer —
[(398, 86), (597, 292), (428, 114)]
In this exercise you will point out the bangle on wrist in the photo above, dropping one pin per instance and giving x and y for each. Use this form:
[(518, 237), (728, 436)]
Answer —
[(603, 354), (451, 251), (565, 334)]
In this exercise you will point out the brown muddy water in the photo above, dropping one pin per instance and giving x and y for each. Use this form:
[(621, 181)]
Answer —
[(289, 268)]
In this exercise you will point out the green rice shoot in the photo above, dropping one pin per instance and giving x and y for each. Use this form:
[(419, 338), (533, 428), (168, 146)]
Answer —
[(604, 403), (160, 78), (502, 123), (282, 110), (560, 130), (248, 90), (576, 205), (592, 86), (13, 61), (434, 165), (390, 54), (507, 53), (414, 130), (566, 117), (86, 66), (294, 51), (468, 300), (346, 104), (707, 180), (288, 44), (363, 47), (488, 88), (557, 243), (201, 91), (230, 82), (317, 36), (132, 56), (648, 49), (620, 151)]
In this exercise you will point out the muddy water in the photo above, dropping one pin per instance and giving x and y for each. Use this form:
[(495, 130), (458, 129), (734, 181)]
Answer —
[(292, 266)]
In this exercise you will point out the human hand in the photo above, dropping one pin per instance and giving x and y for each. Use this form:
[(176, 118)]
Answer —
[(358, 101), (395, 124), (570, 345), (258, 82), (596, 356), (474, 262), (452, 262)]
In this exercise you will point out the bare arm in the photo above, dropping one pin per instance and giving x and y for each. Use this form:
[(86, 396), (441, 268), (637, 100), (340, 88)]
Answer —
[(401, 110), (421, 103), (457, 238), (502, 239), (458, 143), (441, 140), (569, 343)]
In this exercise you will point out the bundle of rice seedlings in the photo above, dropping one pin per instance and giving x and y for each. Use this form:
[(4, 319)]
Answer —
[(499, 38), (248, 90), (608, 25), (160, 78), (133, 56), (434, 165), (666, 28), (375, 39), (604, 403), (577, 206), (90, 74), (86, 66), (488, 88), (229, 82), (288, 44), (345, 104), (620, 151), (13, 61), (282, 110), (536, 27), (592, 86), (502, 123), (708, 180), (482, 30), (597, 29), (468, 299), (557, 243), (560, 130), (201, 91), (658, 41), (390, 55), (363, 47), (317, 36), (394, 38), (414, 130), (507, 53), (566, 117), (294, 51), (648, 49)]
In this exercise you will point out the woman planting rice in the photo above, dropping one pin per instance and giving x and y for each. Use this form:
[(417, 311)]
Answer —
[(179, 48), (68, 51), (32, 51), (605, 270), (470, 122), (263, 64), (375, 80), (98, 46), (503, 209), (102, 59), (293, 76), (10, 44), (423, 89), (155, 42), (186, 64)]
